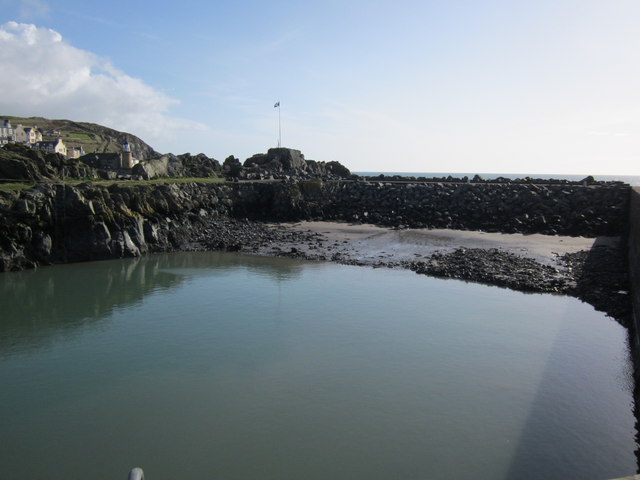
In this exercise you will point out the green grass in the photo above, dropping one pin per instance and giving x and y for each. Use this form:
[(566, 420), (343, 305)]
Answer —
[(13, 187), (17, 186), (77, 137), (154, 181)]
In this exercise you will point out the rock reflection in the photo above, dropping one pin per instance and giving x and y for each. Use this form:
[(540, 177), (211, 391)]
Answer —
[(36, 305)]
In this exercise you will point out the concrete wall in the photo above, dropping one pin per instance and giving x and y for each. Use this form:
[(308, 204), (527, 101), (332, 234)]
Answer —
[(633, 246), (633, 250)]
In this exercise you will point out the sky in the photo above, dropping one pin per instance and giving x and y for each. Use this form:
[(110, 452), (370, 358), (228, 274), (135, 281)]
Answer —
[(539, 87)]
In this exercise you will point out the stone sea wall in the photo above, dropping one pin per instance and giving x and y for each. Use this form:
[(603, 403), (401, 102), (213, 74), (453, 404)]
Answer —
[(633, 259), (633, 250), (55, 223), (514, 207)]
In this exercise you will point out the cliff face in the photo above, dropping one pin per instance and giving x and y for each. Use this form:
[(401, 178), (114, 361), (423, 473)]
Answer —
[(55, 223)]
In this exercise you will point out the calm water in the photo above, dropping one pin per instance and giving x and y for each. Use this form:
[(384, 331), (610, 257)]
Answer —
[(221, 366)]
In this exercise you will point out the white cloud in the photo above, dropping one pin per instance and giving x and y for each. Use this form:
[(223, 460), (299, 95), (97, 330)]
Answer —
[(48, 77)]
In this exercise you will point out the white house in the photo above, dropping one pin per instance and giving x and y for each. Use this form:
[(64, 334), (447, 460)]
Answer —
[(75, 152), (28, 135), (7, 133), (57, 146)]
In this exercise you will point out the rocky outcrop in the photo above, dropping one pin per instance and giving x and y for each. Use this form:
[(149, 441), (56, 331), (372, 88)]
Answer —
[(288, 163), (185, 165), (21, 163), (232, 167), (278, 160), (56, 223)]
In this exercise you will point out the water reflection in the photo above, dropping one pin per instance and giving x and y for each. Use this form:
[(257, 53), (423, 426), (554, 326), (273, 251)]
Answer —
[(281, 269), (561, 393), (39, 304), (198, 362)]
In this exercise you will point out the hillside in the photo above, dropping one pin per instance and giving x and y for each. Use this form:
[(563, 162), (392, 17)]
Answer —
[(92, 137)]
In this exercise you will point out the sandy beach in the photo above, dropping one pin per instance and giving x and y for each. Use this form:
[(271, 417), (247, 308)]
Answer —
[(371, 244)]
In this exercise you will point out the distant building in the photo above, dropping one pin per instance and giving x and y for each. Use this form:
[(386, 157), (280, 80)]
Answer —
[(75, 152), (7, 133), (111, 161), (30, 135), (56, 146), (127, 156)]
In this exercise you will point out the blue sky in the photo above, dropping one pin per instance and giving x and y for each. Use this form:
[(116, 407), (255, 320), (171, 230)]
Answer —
[(425, 86)]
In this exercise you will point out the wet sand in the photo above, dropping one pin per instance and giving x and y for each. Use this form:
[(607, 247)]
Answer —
[(371, 244)]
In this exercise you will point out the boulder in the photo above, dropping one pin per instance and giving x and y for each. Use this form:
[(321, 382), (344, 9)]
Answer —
[(231, 166), (184, 165), (278, 159), (285, 163)]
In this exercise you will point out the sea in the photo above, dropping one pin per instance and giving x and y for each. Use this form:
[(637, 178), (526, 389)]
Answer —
[(633, 180), (225, 366)]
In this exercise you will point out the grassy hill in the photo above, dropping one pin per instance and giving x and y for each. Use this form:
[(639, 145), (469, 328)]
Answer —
[(92, 137)]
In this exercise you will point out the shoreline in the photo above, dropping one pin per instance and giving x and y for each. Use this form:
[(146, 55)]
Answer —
[(591, 269), (368, 243)]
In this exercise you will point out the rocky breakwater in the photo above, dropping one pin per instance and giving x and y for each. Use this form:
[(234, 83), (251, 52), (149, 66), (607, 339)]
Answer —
[(565, 209), (185, 165)]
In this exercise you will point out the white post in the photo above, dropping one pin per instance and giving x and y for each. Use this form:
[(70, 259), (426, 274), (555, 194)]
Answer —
[(279, 128), (136, 474), (277, 105)]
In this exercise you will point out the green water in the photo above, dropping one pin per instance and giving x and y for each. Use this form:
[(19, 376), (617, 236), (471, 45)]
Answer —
[(222, 366)]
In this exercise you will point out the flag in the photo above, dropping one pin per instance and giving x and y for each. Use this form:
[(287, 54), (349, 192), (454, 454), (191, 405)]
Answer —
[(277, 104)]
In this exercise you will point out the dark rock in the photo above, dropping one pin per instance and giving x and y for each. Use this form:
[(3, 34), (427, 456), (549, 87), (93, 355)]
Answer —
[(588, 180), (231, 166), (290, 163), (278, 159), (185, 165), (22, 163)]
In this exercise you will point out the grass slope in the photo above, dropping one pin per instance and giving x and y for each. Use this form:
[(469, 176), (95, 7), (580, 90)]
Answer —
[(92, 137)]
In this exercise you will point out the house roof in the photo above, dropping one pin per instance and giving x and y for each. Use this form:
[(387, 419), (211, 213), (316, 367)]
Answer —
[(48, 143)]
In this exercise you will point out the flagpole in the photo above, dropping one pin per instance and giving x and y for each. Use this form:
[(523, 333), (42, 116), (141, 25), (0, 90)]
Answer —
[(277, 105)]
